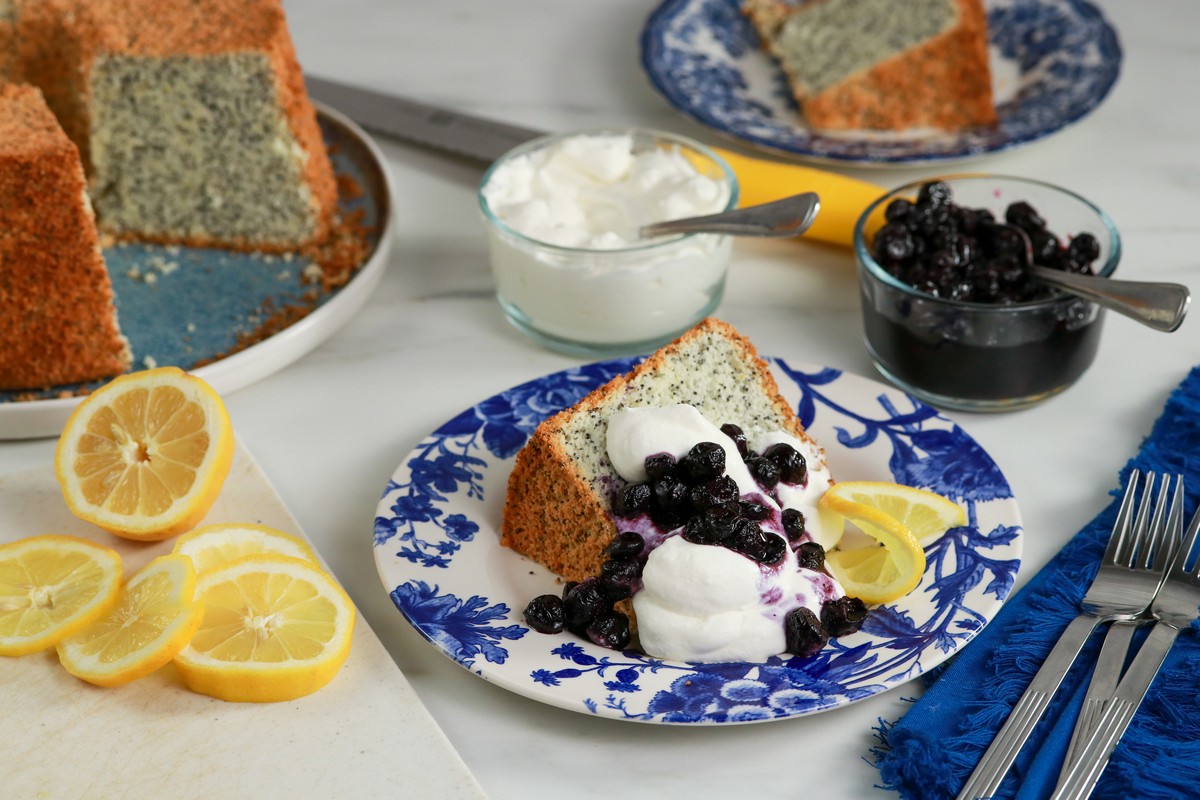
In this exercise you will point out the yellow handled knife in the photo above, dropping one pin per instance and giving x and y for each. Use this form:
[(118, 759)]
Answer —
[(760, 180)]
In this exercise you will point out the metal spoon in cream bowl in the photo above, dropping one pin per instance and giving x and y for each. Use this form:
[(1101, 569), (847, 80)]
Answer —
[(779, 219)]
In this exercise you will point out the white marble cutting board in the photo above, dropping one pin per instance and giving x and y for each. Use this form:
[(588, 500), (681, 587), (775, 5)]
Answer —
[(365, 735)]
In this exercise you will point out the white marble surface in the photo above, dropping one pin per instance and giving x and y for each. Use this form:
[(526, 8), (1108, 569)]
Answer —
[(330, 429)]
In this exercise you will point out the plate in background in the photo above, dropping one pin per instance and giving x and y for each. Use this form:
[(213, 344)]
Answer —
[(205, 309), (1053, 62)]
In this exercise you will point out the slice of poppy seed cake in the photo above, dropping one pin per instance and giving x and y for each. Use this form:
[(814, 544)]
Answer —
[(558, 510)]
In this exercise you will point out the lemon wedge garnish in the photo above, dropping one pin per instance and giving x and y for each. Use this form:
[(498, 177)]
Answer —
[(927, 515), (145, 455), (901, 519)]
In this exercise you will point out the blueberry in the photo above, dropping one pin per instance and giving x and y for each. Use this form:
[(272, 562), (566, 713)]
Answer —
[(611, 630), (718, 491), (708, 529), (661, 465), (1045, 247), (703, 462), (620, 576), (843, 616), (898, 209), (584, 602), (793, 524), (738, 436), (894, 242), (803, 633), (633, 499), (764, 471), (935, 194), (670, 505), (811, 555), (1084, 248), (792, 466), (756, 544), (1025, 216), (627, 544), (752, 510), (545, 613)]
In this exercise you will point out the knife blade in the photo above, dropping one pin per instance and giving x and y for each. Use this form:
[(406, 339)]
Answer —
[(843, 199)]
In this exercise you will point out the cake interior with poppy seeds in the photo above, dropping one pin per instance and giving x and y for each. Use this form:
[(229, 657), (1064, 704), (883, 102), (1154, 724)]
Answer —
[(881, 65)]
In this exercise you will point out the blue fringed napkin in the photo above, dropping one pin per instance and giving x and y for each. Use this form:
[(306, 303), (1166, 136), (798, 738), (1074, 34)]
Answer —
[(932, 750)]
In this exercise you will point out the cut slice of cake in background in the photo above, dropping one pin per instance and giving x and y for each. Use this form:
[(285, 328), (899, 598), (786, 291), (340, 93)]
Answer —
[(879, 64), (58, 323), (558, 510), (192, 118)]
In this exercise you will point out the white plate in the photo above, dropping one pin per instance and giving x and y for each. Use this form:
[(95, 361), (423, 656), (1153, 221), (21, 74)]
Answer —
[(439, 557), (191, 315), (1053, 62)]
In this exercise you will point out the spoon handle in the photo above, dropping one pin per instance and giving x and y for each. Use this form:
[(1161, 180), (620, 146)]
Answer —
[(790, 216), (1162, 306)]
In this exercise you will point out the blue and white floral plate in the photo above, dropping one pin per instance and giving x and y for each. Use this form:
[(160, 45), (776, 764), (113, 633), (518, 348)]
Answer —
[(1053, 62), (438, 553)]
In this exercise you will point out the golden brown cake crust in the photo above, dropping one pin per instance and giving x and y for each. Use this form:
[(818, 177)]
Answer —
[(551, 513), (56, 301), (60, 39), (944, 83)]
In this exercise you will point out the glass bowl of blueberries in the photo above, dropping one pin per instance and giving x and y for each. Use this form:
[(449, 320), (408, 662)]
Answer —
[(951, 311)]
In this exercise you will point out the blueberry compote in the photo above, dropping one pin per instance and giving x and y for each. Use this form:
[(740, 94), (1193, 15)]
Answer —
[(947, 250), (988, 346), (693, 495)]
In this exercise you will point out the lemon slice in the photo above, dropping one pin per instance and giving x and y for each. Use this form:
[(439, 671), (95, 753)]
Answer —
[(877, 573), (927, 515), (153, 619), (145, 455), (275, 628), (50, 587), (213, 546)]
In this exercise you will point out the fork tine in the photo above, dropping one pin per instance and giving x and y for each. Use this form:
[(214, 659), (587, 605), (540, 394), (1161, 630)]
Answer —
[(1167, 543), (1179, 564), (1158, 530), (1133, 543), (1121, 526)]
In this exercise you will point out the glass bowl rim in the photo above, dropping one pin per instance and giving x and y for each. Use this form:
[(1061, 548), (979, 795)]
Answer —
[(867, 261), (630, 130)]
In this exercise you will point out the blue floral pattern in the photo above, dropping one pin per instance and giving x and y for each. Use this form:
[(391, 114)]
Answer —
[(436, 545), (703, 56)]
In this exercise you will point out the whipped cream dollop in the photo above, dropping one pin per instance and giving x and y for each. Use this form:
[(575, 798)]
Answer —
[(595, 191), (582, 275), (707, 603)]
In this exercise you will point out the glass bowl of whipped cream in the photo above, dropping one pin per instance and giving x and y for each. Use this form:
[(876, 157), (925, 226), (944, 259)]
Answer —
[(563, 215)]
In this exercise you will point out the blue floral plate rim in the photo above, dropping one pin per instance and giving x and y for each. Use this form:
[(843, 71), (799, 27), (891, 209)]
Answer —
[(437, 551), (1054, 62)]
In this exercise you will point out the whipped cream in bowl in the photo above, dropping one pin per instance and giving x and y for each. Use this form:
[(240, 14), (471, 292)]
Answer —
[(562, 215)]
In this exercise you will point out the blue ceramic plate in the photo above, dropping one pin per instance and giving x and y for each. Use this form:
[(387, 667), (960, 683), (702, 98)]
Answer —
[(439, 557), (1053, 62), (229, 317)]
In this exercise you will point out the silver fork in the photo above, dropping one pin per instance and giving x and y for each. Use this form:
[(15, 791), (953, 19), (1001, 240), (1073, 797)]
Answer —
[(1150, 568), (1175, 607), (1111, 596)]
